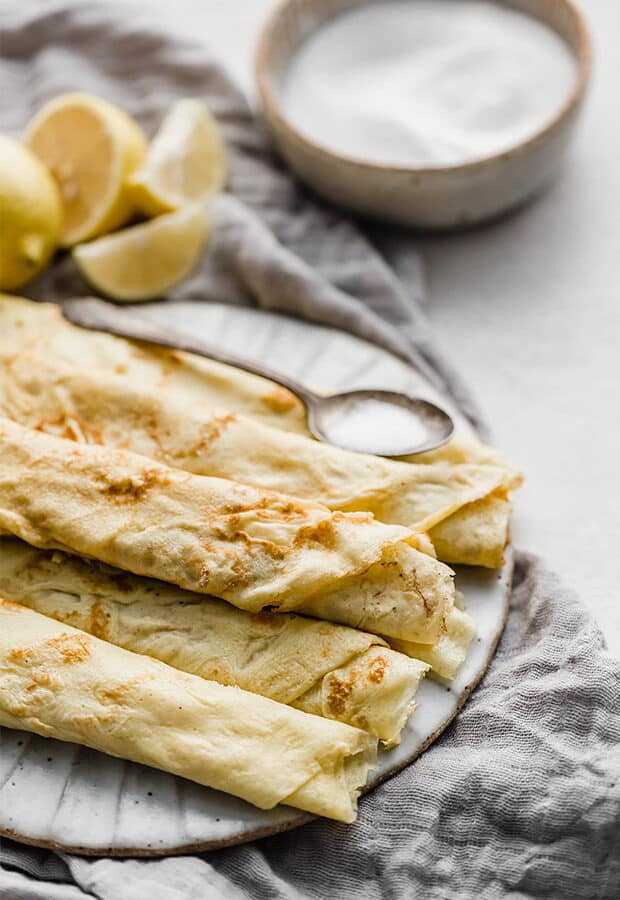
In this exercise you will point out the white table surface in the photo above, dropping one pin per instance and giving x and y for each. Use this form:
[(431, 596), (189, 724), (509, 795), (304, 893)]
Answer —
[(529, 309)]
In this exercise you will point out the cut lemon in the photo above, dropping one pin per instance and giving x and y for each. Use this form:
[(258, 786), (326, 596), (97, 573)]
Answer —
[(91, 148), (145, 261), (186, 160)]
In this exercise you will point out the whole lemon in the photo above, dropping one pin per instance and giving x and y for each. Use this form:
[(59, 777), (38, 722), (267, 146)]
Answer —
[(30, 215)]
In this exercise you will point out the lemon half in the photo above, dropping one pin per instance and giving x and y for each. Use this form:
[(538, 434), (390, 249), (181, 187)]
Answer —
[(186, 160), (145, 261), (91, 148), (30, 215)]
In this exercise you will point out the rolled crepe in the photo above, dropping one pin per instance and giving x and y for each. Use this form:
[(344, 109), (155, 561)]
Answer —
[(258, 550), (49, 395), (40, 328), (448, 653), (477, 535), (61, 683), (325, 669)]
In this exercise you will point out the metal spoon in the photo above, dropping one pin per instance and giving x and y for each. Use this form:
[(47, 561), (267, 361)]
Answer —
[(430, 426)]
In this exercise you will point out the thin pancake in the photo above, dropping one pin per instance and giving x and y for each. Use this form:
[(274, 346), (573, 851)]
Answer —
[(448, 653), (477, 535), (326, 669), (49, 395), (255, 549), (61, 683)]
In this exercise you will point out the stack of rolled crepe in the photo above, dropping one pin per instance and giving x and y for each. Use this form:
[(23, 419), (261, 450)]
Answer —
[(220, 497), (256, 549)]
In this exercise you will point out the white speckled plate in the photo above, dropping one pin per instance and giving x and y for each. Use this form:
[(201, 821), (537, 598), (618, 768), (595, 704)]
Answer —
[(61, 795)]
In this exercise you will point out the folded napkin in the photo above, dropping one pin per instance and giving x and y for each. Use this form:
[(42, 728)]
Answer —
[(520, 797)]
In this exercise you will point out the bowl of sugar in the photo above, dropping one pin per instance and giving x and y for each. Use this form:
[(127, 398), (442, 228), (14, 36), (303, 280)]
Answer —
[(428, 113)]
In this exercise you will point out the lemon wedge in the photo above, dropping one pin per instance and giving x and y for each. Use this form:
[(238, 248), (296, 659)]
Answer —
[(91, 147), (30, 215), (145, 261), (185, 161)]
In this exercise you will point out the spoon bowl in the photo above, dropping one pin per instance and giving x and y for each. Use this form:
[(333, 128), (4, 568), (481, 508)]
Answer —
[(384, 423)]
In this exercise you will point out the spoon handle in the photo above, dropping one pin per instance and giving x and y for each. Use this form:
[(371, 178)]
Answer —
[(92, 313)]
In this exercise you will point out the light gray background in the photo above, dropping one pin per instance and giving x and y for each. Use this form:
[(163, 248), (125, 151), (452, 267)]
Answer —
[(529, 309)]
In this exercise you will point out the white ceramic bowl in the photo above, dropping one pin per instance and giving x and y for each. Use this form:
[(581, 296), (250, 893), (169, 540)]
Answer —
[(441, 197)]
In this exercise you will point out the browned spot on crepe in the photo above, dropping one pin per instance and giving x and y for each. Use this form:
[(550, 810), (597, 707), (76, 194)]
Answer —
[(266, 507), (280, 400), (210, 431), (132, 487), (118, 693), (338, 694), (73, 648), (8, 604), (20, 654), (323, 533), (376, 669)]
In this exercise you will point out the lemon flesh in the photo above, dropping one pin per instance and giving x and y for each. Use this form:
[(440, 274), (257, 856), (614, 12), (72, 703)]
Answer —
[(185, 161), (91, 148), (145, 261), (30, 215)]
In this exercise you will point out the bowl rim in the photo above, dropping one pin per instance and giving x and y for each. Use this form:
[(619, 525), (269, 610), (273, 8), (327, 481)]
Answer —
[(582, 52)]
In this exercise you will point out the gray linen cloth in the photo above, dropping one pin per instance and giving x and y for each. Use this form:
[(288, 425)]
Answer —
[(520, 796)]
